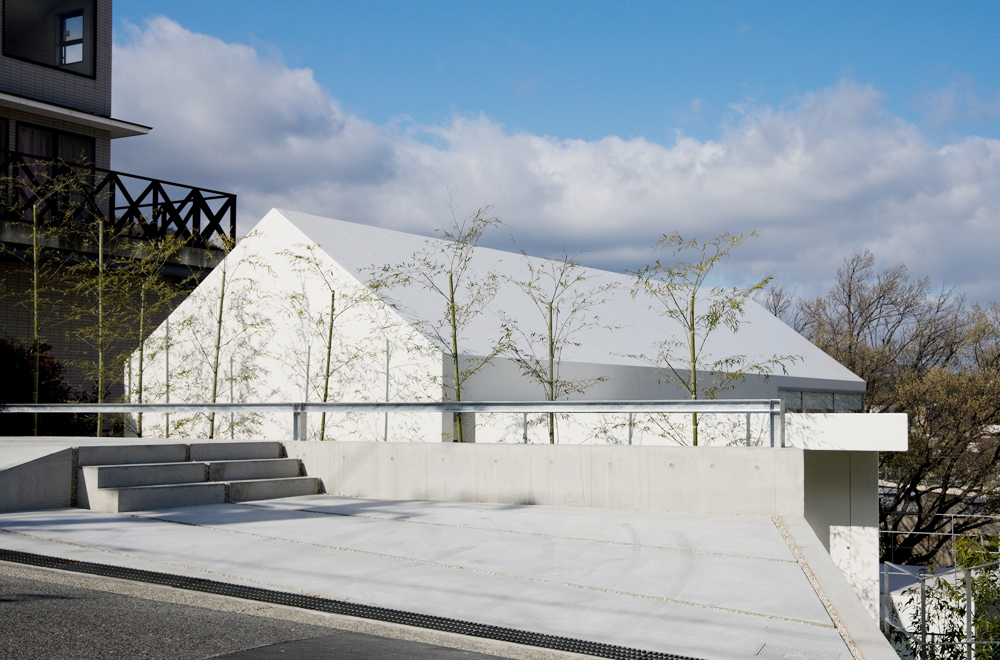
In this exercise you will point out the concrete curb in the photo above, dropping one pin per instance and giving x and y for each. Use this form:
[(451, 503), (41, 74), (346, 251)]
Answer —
[(863, 631)]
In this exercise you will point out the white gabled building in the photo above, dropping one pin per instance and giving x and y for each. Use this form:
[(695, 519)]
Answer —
[(276, 300)]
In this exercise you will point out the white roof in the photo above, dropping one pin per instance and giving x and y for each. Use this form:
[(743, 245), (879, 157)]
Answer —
[(358, 248)]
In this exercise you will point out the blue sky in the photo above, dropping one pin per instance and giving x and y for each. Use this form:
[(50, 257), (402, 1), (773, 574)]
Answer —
[(598, 126), (591, 69)]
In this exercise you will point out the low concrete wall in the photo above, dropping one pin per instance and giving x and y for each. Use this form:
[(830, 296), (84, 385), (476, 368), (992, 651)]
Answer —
[(45, 482), (721, 480)]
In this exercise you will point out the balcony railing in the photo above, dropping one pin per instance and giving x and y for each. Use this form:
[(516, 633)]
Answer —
[(771, 409), (139, 206)]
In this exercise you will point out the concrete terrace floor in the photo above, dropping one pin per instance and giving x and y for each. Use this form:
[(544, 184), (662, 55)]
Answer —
[(712, 587)]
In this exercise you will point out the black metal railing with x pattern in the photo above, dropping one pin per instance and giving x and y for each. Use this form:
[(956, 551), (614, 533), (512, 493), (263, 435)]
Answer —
[(140, 206)]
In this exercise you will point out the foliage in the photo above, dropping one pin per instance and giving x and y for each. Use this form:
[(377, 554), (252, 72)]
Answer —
[(156, 297), (560, 292), (938, 626), (56, 193), (318, 319), (99, 292), (445, 269), (105, 290), (222, 322), (17, 386), (679, 291), (881, 325), (922, 352)]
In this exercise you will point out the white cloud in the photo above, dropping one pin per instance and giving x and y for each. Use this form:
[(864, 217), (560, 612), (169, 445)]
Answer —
[(832, 174), (960, 101)]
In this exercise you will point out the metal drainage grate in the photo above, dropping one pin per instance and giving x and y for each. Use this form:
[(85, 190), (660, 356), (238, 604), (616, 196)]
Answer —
[(340, 607), (795, 653)]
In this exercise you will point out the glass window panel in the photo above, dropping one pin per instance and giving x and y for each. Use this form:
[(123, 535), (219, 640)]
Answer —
[(73, 28), (57, 33), (820, 402), (72, 54), (792, 400), (847, 402), (76, 148), (35, 141)]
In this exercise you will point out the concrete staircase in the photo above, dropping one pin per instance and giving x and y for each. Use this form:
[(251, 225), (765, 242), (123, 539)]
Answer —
[(138, 477)]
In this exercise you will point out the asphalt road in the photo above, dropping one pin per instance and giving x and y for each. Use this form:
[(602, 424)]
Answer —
[(53, 615)]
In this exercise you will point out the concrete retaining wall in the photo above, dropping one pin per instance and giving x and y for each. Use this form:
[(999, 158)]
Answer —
[(721, 480), (43, 482)]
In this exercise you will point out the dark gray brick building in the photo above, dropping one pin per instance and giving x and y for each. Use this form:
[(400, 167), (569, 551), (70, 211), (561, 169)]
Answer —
[(55, 118)]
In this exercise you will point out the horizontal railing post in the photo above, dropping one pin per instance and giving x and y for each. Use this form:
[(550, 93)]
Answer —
[(300, 430)]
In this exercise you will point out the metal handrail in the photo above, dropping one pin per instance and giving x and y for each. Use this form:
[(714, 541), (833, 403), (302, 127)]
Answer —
[(924, 636), (773, 408)]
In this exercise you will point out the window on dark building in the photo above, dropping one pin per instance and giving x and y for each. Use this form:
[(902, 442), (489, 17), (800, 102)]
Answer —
[(71, 38), (48, 154), (48, 144), (57, 33)]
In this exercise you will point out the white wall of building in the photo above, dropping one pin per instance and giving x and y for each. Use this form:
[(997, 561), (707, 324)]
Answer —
[(276, 300), (841, 505)]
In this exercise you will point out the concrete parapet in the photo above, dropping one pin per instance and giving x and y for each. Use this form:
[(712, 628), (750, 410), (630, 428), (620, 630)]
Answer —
[(723, 480), (847, 431), (43, 482)]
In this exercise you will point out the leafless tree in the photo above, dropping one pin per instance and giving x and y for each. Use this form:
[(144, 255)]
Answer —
[(923, 352)]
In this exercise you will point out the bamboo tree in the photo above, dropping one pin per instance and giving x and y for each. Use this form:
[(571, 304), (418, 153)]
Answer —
[(36, 336), (679, 291), (314, 269), (100, 322), (326, 369), (99, 302), (224, 316), (217, 348), (56, 196), (99, 289), (156, 294), (561, 293), (445, 268), (43, 183)]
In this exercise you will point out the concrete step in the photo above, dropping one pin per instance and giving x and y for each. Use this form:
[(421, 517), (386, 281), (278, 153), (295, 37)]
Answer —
[(140, 477), (233, 451), (144, 474), (141, 498), (93, 478), (265, 468), (126, 453), (266, 489)]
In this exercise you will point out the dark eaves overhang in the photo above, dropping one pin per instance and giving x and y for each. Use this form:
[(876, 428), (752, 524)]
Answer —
[(116, 127)]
